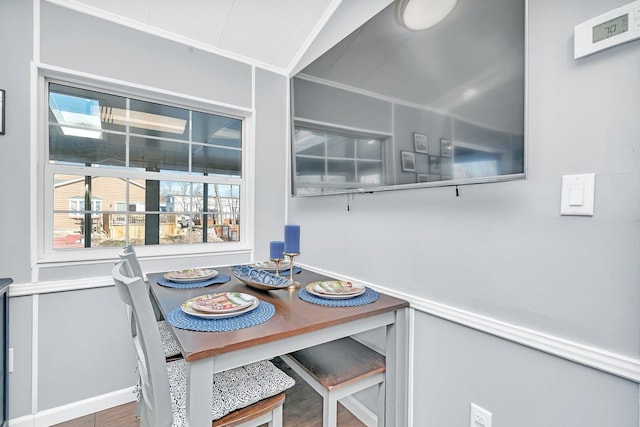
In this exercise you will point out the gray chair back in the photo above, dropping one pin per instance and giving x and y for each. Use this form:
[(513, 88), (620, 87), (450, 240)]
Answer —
[(129, 253), (155, 400)]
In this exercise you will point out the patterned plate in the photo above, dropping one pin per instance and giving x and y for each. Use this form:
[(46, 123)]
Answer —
[(188, 309), (190, 275), (223, 302), (269, 265), (335, 289)]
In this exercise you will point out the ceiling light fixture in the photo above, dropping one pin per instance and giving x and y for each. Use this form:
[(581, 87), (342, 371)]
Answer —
[(422, 14)]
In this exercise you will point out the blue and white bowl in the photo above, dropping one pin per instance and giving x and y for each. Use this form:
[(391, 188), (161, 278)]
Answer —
[(259, 279)]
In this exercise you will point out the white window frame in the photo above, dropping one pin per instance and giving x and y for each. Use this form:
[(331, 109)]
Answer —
[(42, 217)]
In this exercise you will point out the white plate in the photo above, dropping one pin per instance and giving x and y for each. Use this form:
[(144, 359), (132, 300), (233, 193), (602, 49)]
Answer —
[(339, 291), (224, 302), (191, 275), (187, 308)]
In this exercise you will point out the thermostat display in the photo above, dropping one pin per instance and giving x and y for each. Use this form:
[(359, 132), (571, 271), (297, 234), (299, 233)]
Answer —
[(611, 28)]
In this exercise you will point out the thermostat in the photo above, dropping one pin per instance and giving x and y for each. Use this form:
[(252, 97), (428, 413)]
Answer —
[(610, 29)]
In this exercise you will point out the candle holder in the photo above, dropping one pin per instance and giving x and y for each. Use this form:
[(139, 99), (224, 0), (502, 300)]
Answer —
[(292, 283), (277, 261)]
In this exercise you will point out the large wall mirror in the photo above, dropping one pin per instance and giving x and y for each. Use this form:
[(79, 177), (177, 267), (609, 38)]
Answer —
[(388, 107)]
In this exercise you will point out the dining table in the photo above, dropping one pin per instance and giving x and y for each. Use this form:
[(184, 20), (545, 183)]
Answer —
[(295, 325)]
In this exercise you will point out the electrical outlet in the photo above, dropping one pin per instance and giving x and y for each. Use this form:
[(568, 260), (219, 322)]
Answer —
[(479, 417)]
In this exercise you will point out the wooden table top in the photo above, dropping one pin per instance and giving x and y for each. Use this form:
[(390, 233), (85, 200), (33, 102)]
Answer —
[(293, 316)]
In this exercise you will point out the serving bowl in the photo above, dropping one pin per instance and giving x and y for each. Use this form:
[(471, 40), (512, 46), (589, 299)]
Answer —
[(259, 279)]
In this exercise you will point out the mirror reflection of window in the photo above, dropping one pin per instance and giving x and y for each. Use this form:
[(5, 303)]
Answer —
[(335, 161)]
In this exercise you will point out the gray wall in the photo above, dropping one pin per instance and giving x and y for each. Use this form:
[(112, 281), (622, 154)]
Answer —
[(77, 341), (503, 251), (499, 250)]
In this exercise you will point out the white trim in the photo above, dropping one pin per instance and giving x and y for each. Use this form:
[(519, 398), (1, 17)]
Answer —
[(328, 13), (410, 366), (24, 421), (288, 152), (56, 72), (248, 199), (35, 310), (604, 360), (372, 132), (76, 409), (146, 28), (26, 289), (35, 197)]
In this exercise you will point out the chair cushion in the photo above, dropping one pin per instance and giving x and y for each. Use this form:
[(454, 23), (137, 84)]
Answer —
[(169, 343), (232, 389)]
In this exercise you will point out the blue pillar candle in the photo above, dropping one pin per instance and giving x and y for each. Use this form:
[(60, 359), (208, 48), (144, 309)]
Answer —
[(276, 248), (291, 239)]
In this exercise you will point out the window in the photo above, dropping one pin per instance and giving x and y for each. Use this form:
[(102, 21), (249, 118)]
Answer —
[(76, 206), (124, 170), (332, 160)]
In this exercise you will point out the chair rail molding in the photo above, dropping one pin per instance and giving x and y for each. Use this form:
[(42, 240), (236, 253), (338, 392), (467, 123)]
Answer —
[(593, 357)]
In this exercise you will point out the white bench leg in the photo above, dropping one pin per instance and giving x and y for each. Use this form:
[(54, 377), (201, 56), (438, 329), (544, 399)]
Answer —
[(381, 404), (276, 417), (330, 411)]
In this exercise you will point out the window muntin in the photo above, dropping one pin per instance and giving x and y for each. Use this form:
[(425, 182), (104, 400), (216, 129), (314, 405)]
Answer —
[(335, 160), (92, 133)]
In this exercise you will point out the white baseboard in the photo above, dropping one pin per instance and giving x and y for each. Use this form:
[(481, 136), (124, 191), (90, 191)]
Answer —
[(75, 410), (25, 421)]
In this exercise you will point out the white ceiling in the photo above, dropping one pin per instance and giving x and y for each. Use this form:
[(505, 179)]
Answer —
[(272, 33)]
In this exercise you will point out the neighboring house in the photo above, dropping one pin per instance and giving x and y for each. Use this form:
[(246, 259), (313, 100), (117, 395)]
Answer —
[(108, 198), (109, 211)]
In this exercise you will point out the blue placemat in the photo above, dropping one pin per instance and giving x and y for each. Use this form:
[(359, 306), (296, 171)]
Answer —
[(296, 270), (220, 278), (260, 314), (368, 297)]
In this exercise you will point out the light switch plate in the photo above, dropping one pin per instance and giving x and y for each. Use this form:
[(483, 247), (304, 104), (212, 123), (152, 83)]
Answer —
[(578, 194)]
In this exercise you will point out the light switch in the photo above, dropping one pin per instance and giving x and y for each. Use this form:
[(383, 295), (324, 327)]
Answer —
[(577, 195)]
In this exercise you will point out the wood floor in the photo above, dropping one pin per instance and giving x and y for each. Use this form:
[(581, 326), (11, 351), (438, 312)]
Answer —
[(302, 408)]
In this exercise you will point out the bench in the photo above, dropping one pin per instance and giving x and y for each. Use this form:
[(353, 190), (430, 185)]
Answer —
[(339, 369)]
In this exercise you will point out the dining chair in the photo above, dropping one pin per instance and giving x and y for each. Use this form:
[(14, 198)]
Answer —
[(339, 369), (170, 346), (247, 396)]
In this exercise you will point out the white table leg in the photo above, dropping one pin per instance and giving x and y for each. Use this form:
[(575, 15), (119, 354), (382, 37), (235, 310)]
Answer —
[(396, 372), (199, 392)]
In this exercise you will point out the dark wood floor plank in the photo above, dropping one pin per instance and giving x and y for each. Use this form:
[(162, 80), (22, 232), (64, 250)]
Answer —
[(120, 416), (86, 421)]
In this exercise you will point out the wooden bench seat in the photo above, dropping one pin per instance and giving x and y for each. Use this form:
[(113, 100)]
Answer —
[(338, 369), (262, 410)]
